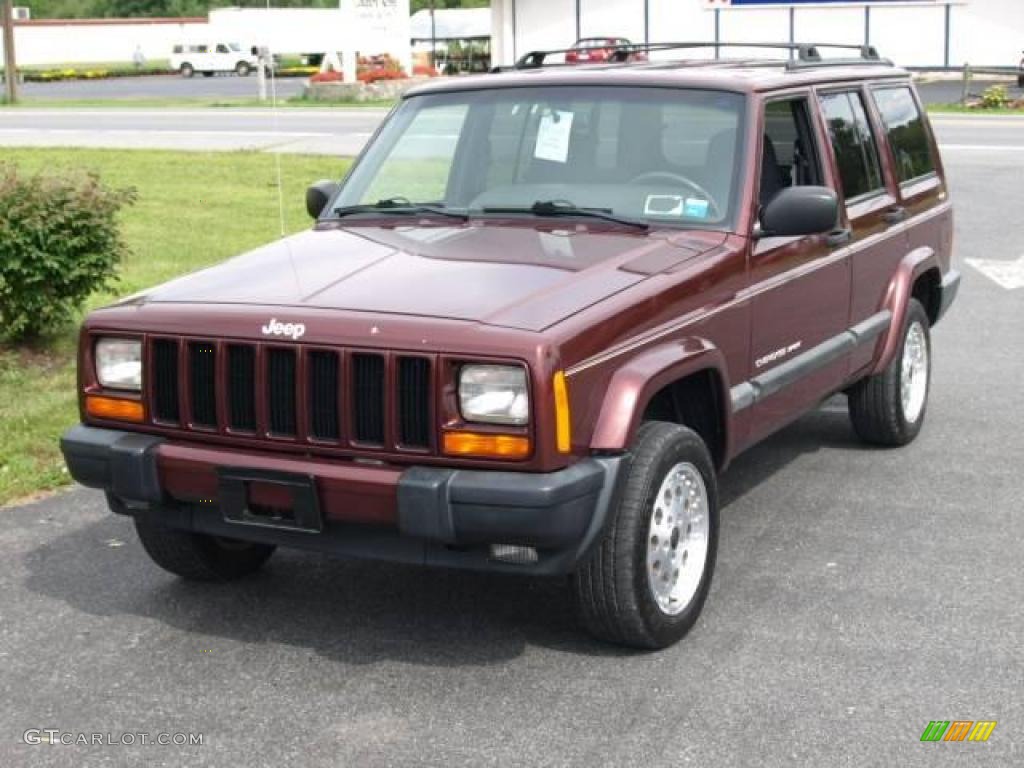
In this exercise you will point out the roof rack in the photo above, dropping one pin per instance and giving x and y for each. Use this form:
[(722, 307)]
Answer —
[(808, 55)]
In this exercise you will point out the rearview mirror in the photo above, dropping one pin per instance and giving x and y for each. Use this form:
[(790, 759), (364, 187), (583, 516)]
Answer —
[(797, 211), (318, 195)]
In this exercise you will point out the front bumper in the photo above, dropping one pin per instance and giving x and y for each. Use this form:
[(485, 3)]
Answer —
[(424, 515)]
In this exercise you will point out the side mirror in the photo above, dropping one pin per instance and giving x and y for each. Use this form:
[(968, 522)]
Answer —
[(318, 195), (797, 211)]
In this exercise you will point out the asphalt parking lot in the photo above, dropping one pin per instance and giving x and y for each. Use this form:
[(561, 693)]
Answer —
[(859, 594)]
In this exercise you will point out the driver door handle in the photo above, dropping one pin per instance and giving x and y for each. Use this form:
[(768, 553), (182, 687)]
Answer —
[(839, 237), (895, 215)]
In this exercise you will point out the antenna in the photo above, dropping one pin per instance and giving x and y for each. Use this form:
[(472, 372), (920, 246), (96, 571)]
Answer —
[(277, 144)]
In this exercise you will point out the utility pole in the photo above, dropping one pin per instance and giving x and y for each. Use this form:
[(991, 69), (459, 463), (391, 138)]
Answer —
[(10, 73), (433, 37)]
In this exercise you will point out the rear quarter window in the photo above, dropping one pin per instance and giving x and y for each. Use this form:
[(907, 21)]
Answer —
[(905, 127)]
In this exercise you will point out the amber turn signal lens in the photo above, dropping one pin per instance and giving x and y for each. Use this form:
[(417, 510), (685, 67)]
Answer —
[(486, 446), (114, 408), (563, 428)]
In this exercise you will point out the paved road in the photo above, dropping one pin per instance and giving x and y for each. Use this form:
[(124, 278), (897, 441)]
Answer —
[(319, 131), (859, 594), (316, 131), (231, 87)]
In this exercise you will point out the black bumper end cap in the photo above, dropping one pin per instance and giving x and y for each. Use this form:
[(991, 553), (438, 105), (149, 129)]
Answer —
[(555, 510), (122, 463)]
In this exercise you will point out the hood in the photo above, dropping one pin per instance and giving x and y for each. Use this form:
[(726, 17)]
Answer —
[(504, 275)]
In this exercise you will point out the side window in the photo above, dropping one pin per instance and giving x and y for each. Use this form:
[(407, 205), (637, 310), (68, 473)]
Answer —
[(789, 157), (176, 49), (853, 144), (221, 48), (907, 136)]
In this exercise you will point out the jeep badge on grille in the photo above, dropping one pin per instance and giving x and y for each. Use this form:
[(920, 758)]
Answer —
[(275, 327)]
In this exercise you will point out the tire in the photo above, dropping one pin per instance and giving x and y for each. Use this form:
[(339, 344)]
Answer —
[(197, 557), (614, 587), (885, 409), (242, 69), (187, 70), (1020, 81)]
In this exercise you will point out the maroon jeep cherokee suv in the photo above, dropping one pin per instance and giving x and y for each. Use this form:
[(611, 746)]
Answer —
[(531, 327)]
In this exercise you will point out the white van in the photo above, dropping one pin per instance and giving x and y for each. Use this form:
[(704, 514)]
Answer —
[(210, 58)]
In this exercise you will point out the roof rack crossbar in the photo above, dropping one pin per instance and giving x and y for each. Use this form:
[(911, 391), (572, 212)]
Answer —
[(807, 54)]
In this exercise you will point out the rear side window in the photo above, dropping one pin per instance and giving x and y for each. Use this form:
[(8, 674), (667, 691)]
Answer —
[(907, 136), (853, 144)]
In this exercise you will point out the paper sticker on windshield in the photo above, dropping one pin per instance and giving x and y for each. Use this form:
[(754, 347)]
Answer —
[(696, 208), (553, 136), (663, 205)]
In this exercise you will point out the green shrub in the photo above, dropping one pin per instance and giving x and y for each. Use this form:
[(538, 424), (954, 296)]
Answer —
[(995, 97), (59, 241)]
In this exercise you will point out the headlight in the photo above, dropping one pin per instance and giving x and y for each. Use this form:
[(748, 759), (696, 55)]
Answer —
[(494, 394), (119, 363)]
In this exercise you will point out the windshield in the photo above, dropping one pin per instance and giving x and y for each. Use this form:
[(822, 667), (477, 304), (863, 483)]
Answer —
[(665, 156)]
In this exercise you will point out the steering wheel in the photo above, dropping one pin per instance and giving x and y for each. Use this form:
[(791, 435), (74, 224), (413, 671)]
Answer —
[(676, 178)]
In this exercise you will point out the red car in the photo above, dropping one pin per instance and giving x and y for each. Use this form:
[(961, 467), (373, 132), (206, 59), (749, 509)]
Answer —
[(590, 50)]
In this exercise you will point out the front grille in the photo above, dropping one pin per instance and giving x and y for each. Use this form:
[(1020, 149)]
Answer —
[(368, 398), (281, 390), (165, 380), (202, 375), (241, 389), (414, 402), (366, 401), (323, 395)]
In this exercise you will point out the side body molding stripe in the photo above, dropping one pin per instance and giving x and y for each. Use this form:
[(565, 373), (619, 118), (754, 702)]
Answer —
[(781, 376)]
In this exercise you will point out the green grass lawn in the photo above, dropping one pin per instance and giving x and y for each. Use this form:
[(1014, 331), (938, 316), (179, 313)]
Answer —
[(960, 109), (194, 209)]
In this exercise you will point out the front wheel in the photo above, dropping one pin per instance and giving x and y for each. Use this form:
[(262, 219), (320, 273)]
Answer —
[(198, 557), (889, 408), (646, 581), (242, 69)]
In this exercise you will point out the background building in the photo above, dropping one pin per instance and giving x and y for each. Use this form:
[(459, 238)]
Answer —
[(367, 26), (919, 33)]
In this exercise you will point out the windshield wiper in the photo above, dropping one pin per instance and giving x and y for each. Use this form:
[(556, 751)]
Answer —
[(566, 208), (399, 206)]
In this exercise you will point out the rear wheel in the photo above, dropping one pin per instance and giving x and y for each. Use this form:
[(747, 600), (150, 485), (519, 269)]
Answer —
[(889, 408), (198, 557), (646, 581), (242, 69), (187, 70), (207, 74)]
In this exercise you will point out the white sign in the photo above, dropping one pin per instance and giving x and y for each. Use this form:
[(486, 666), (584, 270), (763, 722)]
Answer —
[(553, 136)]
